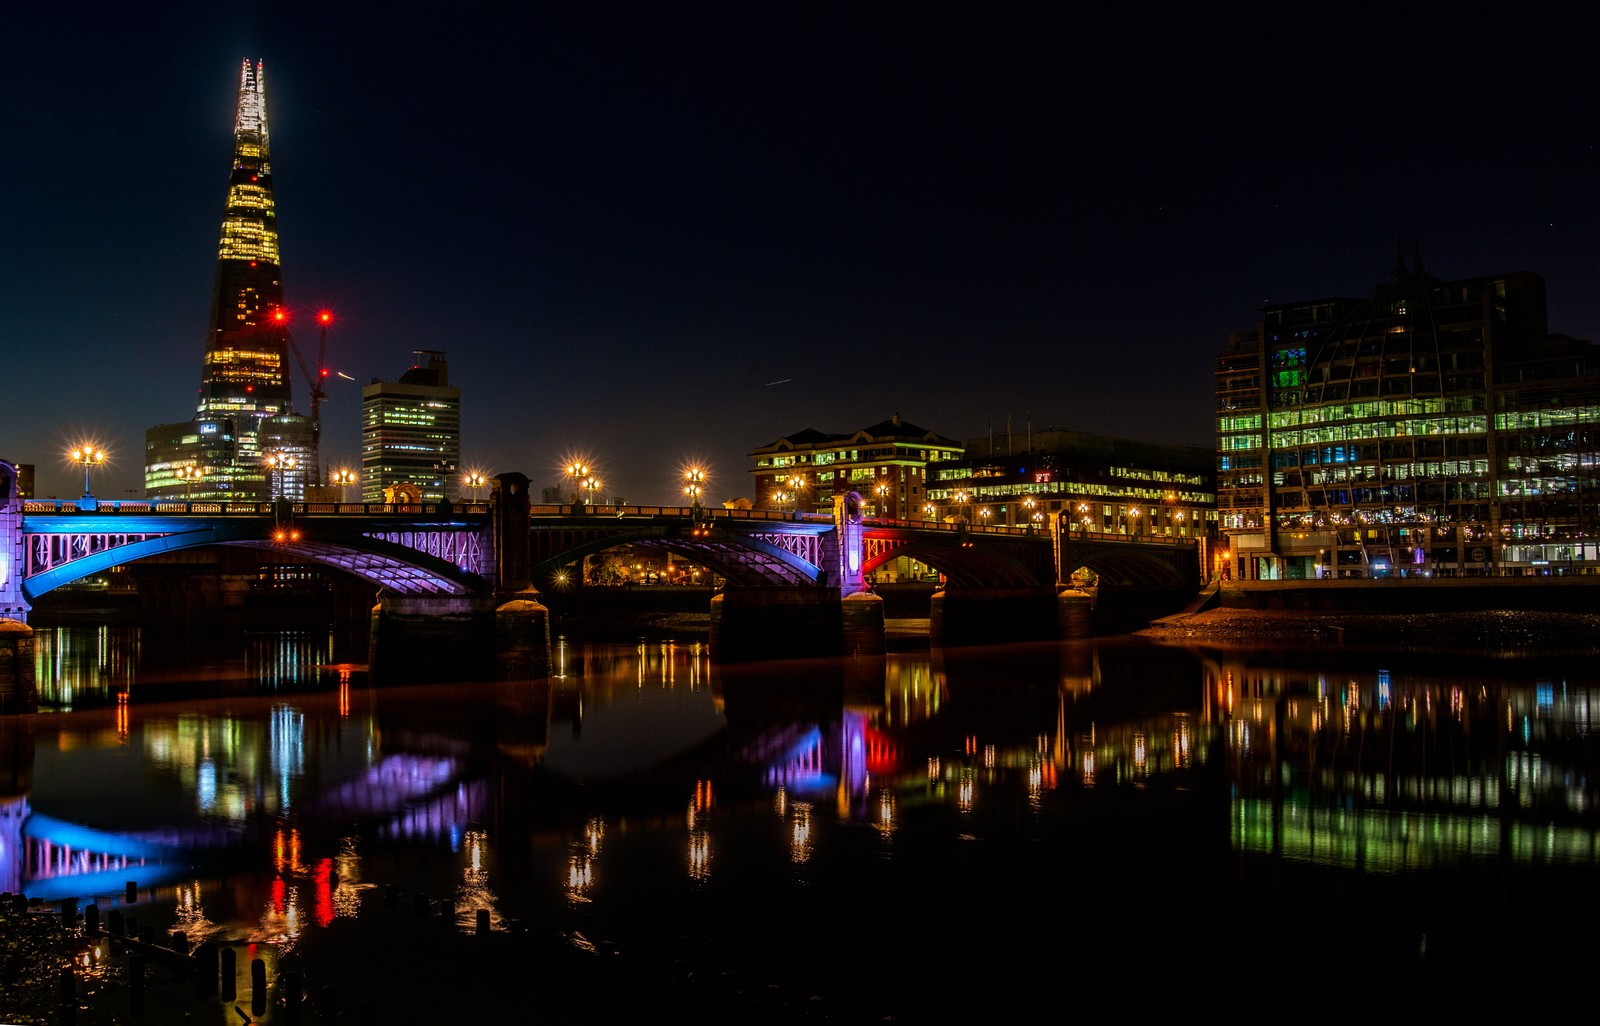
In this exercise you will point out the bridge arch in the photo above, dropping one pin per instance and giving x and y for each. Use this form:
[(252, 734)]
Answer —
[(965, 559), (739, 556), (394, 567)]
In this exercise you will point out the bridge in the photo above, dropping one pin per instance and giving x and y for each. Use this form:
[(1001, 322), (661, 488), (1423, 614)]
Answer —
[(432, 565)]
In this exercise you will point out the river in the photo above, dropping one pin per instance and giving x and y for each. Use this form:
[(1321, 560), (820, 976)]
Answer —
[(1117, 826)]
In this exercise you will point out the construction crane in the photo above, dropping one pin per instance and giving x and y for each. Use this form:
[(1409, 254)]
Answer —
[(314, 382)]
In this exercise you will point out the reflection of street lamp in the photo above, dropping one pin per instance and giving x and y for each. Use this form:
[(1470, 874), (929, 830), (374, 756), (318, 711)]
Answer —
[(282, 462), (88, 457), (344, 477), (189, 475), (694, 485)]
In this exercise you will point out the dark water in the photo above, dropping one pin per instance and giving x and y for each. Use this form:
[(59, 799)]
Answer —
[(989, 835)]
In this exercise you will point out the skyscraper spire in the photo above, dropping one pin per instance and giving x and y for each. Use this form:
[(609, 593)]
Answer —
[(246, 369), (243, 414)]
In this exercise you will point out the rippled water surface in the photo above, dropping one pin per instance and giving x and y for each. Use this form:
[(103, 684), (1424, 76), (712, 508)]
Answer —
[(972, 834)]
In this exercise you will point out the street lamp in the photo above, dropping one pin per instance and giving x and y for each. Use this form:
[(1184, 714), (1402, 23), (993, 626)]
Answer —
[(475, 480), (577, 473), (88, 457), (281, 462), (883, 497), (189, 475), (591, 485), (780, 498), (344, 477), (694, 485)]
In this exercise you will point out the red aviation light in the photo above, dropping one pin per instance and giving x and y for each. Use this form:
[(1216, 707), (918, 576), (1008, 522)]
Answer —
[(324, 317), (280, 315)]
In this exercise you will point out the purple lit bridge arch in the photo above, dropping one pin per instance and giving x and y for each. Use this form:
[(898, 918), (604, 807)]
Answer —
[(400, 551)]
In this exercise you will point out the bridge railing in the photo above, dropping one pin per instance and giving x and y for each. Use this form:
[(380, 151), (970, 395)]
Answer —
[(704, 512), (213, 508)]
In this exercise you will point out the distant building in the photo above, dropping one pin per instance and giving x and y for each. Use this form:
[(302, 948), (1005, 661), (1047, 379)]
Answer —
[(245, 374), (885, 463), (411, 432), (1433, 428), (1083, 483)]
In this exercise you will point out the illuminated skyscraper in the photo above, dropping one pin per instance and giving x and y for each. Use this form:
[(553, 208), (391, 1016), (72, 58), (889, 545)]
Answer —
[(245, 371), (411, 432)]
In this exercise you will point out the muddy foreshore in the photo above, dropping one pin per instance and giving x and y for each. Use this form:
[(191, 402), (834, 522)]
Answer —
[(1491, 631)]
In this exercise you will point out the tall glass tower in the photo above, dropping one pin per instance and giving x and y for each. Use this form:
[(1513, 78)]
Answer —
[(243, 415)]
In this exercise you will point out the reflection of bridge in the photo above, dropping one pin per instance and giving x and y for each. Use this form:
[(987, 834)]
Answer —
[(463, 561), (408, 796)]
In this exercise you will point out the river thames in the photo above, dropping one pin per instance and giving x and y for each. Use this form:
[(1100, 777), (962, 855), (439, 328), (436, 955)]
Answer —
[(1022, 833)]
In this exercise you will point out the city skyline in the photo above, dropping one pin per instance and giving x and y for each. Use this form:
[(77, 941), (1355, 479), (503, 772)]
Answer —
[(648, 237)]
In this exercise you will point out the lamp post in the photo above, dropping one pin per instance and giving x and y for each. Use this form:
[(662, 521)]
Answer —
[(88, 457), (883, 497), (475, 481), (577, 473), (189, 475), (591, 485), (961, 499), (344, 477), (282, 463), (694, 486)]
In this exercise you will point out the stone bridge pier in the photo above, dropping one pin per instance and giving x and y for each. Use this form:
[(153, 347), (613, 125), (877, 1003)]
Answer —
[(839, 616), (503, 633)]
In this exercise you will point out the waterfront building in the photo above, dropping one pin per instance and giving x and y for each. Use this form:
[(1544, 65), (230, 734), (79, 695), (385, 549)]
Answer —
[(1081, 483), (245, 370), (885, 463), (411, 431), (1435, 428)]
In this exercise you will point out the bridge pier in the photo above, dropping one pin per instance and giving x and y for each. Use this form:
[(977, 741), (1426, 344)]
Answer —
[(19, 691), (751, 623), (428, 638), (970, 615), (522, 637)]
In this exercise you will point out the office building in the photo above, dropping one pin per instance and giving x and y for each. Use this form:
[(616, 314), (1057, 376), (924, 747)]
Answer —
[(885, 463), (411, 433), (1081, 483), (1434, 428), (245, 374)]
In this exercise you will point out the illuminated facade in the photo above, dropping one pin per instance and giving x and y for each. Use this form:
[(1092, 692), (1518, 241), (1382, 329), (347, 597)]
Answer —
[(245, 368), (886, 463), (1092, 484), (411, 431), (1434, 429)]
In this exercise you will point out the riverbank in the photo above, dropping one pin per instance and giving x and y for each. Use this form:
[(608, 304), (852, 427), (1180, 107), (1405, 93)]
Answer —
[(1483, 631)]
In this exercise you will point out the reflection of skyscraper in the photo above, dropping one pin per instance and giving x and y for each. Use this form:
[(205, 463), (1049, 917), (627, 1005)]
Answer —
[(245, 371), (411, 431)]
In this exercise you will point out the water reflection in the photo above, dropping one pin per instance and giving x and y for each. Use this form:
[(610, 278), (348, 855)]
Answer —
[(644, 786)]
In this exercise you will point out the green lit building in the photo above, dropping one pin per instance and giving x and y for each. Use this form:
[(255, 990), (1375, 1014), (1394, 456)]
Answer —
[(1084, 483), (1434, 428), (411, 432)]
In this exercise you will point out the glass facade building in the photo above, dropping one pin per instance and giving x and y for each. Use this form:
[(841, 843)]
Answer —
[(411, 432), (244, 380), (1435, 428)]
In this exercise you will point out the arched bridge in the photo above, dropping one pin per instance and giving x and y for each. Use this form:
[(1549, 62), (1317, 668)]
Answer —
[(468, 549)]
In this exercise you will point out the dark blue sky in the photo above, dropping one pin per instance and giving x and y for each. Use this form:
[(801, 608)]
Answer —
[(621, 222)]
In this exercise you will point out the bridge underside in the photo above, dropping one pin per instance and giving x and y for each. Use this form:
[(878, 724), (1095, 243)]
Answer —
[(66, 557), (966, 561), (743, 558), (1126, 566)]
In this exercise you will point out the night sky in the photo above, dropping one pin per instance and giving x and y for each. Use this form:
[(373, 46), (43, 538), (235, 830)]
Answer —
[(657, 234)]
